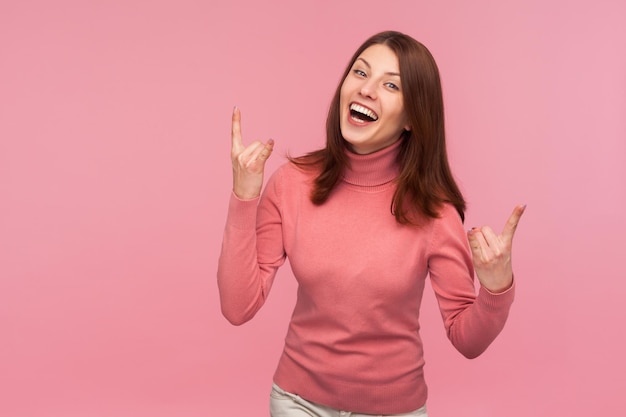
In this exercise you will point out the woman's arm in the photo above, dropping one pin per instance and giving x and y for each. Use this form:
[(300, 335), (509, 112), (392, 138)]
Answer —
[(472, 321), (252, 248)]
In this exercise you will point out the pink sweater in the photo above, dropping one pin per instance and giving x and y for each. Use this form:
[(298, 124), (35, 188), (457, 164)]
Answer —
[(353, 342)]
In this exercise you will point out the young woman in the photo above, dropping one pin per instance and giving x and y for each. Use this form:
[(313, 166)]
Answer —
[(364, 221)]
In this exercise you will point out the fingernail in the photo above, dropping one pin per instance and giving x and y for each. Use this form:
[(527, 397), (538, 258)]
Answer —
[(270, 142)]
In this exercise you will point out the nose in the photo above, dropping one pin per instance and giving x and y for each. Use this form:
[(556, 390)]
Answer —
[(368, 89)]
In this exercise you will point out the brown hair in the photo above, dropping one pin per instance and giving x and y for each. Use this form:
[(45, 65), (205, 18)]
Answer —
[(425, 181)]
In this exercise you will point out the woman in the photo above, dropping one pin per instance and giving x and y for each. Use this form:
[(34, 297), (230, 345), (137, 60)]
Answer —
[(364, 221)]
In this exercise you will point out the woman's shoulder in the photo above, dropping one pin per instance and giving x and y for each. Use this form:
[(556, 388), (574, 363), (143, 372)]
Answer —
[(448, 212), (292, 176), (448, 221), (294, 171)]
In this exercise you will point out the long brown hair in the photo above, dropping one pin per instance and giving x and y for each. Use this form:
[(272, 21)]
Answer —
[(425, 181)]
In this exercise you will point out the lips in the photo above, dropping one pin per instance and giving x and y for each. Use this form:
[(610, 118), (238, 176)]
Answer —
[(362, 114)]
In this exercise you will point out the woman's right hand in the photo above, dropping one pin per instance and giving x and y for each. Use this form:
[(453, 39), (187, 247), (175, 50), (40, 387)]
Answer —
[(248, 162)]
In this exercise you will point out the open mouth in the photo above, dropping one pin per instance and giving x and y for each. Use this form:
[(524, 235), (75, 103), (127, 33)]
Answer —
[(362, 114)]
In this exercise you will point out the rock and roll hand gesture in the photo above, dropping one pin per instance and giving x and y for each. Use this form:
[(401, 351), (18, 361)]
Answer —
[(491, 253), (248, 162)]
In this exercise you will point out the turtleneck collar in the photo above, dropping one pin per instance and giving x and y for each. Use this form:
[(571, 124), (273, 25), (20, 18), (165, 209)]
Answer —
[(374, 169)]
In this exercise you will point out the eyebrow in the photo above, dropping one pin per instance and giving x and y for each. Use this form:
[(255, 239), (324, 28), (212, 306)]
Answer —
[(370, 67)]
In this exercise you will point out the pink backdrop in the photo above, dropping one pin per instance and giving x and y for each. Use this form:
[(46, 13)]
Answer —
[(114, 180)]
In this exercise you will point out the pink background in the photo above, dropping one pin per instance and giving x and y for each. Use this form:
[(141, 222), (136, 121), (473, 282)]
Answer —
[(115, 176)]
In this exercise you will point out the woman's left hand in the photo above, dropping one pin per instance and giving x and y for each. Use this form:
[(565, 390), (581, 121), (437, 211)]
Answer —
[(491, 253)]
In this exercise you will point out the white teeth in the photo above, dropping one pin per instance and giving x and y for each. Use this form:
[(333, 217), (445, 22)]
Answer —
[(363, 110)]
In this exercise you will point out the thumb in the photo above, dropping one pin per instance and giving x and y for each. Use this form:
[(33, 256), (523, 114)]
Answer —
[(267, 150), (473, 237)]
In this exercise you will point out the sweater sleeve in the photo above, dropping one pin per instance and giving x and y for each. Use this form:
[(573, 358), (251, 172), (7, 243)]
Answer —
[(472, 321), (252, 251)]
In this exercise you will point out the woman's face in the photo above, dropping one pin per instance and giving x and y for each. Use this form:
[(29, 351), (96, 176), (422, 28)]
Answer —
[(371, 106)]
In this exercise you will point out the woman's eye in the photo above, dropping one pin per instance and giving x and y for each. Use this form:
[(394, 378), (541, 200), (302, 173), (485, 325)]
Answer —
[(359, 73), (393, 86)]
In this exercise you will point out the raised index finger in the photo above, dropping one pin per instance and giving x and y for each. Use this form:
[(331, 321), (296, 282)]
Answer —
[(237, 144), (512, 222)]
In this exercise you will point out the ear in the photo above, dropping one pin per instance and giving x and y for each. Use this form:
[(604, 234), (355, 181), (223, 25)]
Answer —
[(407, 128)]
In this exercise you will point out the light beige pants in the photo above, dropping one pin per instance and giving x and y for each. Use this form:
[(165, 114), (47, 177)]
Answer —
[(286, 404)]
